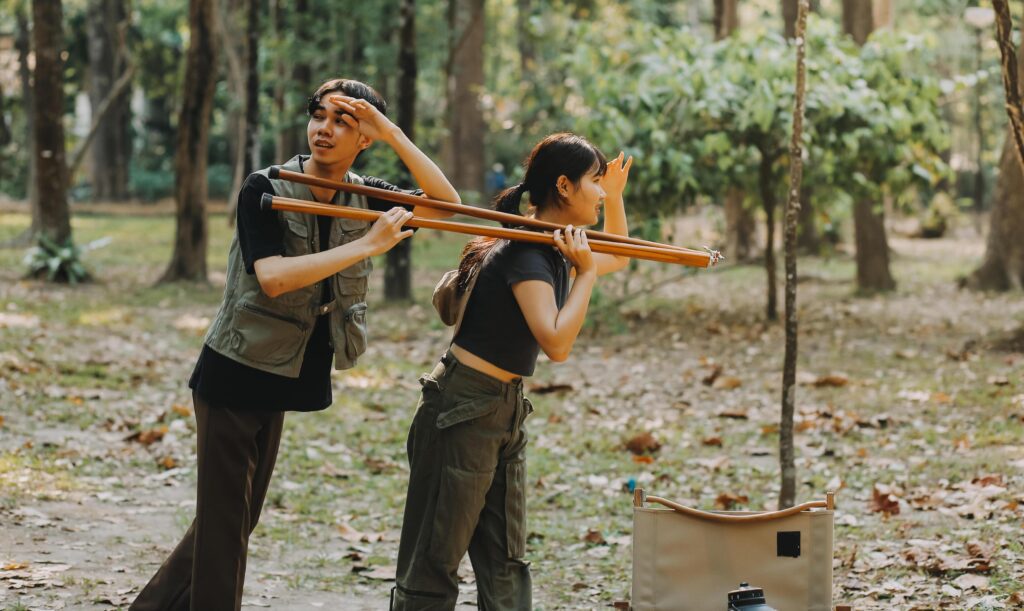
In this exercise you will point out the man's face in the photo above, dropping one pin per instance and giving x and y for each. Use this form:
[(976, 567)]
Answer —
[(330, 139)]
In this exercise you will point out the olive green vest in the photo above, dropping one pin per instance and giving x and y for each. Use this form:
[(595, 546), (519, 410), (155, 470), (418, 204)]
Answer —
[(270, 334)]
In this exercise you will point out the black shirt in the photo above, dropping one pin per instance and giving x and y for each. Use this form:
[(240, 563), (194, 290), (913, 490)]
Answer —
[(226, 382), (493, 326)]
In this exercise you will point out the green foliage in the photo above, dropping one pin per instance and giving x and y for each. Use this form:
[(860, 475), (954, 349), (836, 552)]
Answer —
[(55, 262), (700, 117)]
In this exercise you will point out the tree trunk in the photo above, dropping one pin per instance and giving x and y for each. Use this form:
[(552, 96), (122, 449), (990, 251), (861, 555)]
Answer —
[(869, 223), (294, 83), (789, 11), (739, 227), (51, 165), (188, 262), (23, 42), (464, 146), (768, 200), (739, 219), (524, 39), (398, 273), (881, 14), (726, 18), (858, 19), (5, 130), (281, 69), (808, 239), (1003, 266), (252, 91), (872, 247), (110, 154), (233, 43), (787, 451)]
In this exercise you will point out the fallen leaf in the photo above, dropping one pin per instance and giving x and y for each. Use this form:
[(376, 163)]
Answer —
[(168, 462), (14, 566), (712, 441), (735, 414), (727, 383), (883, 500), (148, 436), (971, 582), (999, 380), (832, 380), (643, 459), (643, 443), (182, 410), (709, 379), (728, 500), (594, 537)]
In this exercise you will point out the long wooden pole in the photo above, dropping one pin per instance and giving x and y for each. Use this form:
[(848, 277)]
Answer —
[(787, 452), (650, 253), (484, 213)]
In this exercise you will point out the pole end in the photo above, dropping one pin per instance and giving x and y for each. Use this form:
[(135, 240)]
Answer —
[(267, 202), (274, 171)]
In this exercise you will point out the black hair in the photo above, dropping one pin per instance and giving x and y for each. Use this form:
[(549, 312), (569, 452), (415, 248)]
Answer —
[(349, 87), (561, 154)]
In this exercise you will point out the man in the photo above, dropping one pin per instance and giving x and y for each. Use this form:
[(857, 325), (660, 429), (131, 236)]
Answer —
[(294, 301)]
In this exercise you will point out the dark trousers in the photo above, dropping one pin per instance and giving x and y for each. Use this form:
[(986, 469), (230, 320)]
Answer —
[(467, 492), (236, 454)]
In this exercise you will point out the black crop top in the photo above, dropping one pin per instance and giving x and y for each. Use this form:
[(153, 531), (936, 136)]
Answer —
[(493, 326)]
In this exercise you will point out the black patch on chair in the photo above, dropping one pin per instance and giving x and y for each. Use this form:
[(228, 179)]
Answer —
[(788, 544)]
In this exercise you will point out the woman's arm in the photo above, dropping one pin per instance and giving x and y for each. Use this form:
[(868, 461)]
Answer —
[(614, 182), (278, 275), (556, 330)]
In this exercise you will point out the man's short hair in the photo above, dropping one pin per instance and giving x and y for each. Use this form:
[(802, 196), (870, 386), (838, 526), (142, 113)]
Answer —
[(349, 87)]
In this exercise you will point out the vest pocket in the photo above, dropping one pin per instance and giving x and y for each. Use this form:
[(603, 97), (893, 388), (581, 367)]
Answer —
[(355, 331), (267, 337)]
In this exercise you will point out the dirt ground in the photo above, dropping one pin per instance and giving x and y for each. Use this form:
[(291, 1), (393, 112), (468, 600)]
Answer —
[(905, 405)]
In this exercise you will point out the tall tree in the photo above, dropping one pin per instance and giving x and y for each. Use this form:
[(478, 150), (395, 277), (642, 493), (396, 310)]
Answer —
[(233, 40), (787, 454), (726, 18), (525, 39), (739, 219), (297, 78), (111, 149), (188, 261), (5, 129), (398, 274), (251, 154), (51, 166), (1003, 266), (464, 146), (789, 14), (23, 42), (873, 272)]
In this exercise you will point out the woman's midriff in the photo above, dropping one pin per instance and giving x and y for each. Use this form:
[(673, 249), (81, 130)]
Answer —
[(472, 361)]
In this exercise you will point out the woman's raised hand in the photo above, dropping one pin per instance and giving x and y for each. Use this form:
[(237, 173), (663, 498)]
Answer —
[(614, 179), (572, 243)]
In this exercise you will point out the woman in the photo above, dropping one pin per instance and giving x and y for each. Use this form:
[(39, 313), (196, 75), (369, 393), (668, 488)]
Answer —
[(467, 487)]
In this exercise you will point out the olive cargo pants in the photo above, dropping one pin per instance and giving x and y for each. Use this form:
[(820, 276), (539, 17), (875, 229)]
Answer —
[(467, 491)]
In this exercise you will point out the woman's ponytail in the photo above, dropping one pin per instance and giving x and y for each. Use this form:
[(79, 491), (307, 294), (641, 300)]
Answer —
[(509, 200), (473, 255)]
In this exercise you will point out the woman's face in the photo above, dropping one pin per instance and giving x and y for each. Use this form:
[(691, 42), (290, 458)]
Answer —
[(583, 201)]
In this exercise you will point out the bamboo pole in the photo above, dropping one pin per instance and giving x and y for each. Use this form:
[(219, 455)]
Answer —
[(484, 213), (650, 253)]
